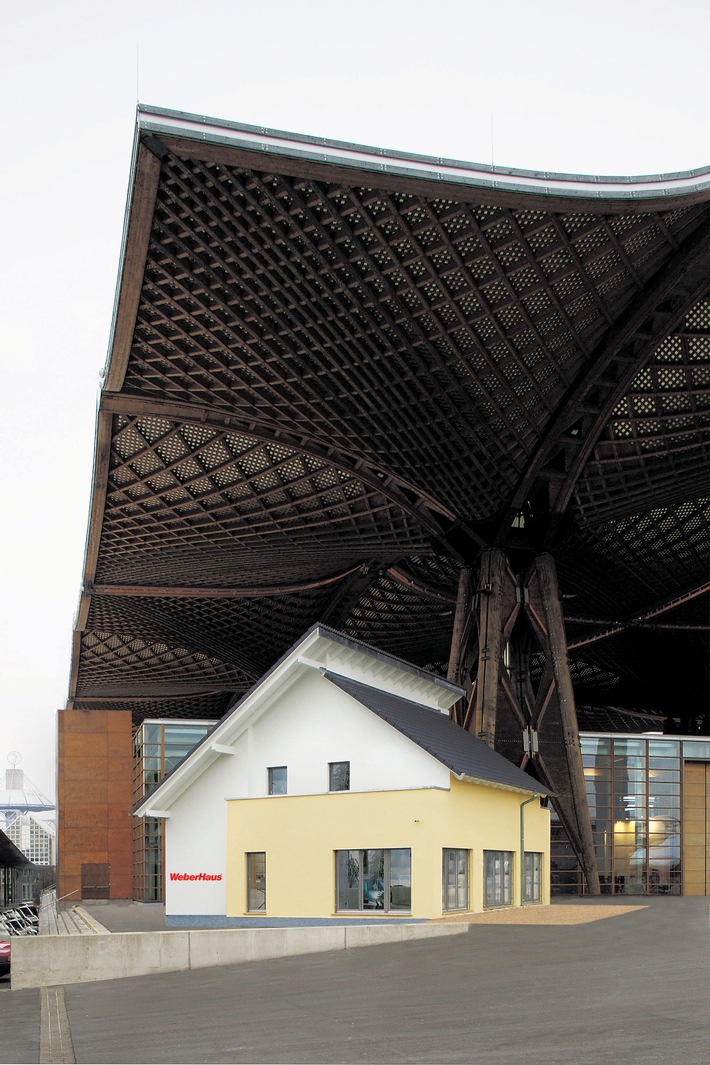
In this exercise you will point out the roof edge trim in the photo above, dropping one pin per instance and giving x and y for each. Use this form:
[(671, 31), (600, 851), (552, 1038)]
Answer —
[(323, 150)]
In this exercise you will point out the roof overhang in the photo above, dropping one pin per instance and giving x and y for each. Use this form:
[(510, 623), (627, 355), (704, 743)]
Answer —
[(337, 372)]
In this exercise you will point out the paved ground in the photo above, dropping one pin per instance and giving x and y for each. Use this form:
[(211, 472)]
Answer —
[(150, 917), (128, 916), (19, 1025), (635, 989)]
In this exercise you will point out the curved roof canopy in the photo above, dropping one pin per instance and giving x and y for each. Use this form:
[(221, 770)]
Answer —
[(336, 373)]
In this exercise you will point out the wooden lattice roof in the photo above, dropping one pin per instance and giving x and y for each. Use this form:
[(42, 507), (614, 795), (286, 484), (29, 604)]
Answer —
[(336, 373)]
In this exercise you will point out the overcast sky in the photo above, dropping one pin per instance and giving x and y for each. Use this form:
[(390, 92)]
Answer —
[(612, 87)]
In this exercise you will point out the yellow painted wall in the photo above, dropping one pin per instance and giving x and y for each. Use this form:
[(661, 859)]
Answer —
[(301, 833), (696, 828)]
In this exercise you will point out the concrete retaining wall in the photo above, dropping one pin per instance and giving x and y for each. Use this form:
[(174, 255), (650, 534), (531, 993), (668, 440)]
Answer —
[(47, 961)]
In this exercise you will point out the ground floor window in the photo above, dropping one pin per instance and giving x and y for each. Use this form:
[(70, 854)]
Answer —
[(376, 879), (454, 879), (532, 876), (256, 881), (498, 878)]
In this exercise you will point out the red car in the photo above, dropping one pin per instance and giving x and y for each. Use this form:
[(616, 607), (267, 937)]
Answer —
[(4, 956)]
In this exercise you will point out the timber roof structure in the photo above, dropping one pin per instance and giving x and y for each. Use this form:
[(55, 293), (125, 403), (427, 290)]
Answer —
[(337, 373)]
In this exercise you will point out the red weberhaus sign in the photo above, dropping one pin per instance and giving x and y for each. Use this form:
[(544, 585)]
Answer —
[(195, 876)]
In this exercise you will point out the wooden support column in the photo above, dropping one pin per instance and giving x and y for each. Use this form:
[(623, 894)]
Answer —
[(556, 639), (462, 624), (530, 719), (489, 595)]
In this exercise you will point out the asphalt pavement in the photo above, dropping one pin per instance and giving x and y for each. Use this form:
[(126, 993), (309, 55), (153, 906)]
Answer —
[(633, 988)]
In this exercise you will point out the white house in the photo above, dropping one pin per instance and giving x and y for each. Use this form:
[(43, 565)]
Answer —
[(339, 789)]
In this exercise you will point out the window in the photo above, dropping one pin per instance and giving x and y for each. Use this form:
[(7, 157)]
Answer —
[(498, 878), (338, 776), (374, 880), (256, 881), (533, 876), (277, 780), (454, 879)]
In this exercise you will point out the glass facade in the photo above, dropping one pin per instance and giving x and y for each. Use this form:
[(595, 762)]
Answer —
[(635, 794), (158, 746), (377, 879)]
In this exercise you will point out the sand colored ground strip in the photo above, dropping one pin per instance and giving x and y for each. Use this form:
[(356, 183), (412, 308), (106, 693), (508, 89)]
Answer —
[(558, 915)]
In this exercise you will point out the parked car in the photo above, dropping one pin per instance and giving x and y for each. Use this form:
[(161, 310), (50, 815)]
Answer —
[(4, 957)]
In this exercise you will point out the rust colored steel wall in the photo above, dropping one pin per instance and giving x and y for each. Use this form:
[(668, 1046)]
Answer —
[(94, 803)]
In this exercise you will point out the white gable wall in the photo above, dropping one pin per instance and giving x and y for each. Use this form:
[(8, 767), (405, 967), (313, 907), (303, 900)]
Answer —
[(312, 724), (196, 838), (318, 723)]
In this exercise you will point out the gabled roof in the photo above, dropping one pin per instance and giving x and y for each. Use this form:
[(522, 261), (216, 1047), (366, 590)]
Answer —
[(319, 648), (466, 756)]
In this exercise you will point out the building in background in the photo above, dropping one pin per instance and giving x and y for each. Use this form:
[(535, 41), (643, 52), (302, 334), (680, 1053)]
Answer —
[(34, 837), (16, 874), (649, 803), (27, 822)]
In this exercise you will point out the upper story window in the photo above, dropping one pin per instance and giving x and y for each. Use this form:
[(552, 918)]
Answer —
[(338, 776), (277, 780)]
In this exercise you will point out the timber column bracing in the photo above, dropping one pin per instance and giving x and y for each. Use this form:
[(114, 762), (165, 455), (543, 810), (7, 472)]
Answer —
[(503, 621)]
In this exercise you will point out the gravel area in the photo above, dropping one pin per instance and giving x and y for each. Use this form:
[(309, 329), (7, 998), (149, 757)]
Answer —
[(547, 915)]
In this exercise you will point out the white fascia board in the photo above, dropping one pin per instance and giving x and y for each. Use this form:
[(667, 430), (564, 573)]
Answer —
[(150, 812)]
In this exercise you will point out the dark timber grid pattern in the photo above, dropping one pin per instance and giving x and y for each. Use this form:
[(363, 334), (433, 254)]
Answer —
[(330, 388)]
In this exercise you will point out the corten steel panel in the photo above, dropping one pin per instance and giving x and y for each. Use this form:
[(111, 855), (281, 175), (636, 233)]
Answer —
[(85, 836), (89, 814), (116, 791), (95, 880), (80, 723), (94, 820), (83, 790), (121, 885)]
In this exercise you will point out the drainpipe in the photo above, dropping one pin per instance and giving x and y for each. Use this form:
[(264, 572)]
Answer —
[(522, 847)]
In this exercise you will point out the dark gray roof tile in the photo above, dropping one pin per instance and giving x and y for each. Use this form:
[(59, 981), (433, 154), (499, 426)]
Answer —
[(435, 733)]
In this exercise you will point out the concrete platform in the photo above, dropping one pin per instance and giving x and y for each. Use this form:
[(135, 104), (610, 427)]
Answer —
[(52, 961), (631, 989)]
